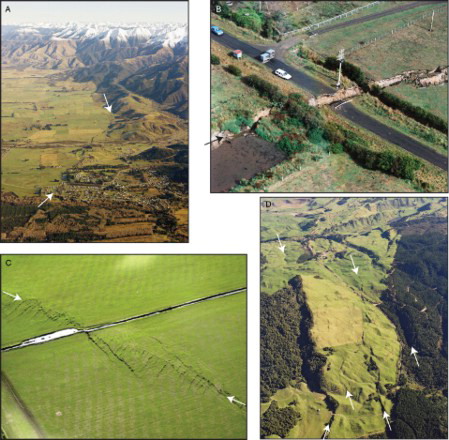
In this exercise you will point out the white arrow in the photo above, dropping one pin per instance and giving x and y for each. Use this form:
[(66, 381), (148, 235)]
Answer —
[(49, 197), (355, 269), (232, 399), (348, 396), (16, 297), (414, 352), (326, 431), (386, 416), (107, 107), (281, 246)]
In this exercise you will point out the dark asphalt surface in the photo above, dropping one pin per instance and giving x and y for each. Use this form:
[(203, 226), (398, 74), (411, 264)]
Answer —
[(351, 113), (370, 17)]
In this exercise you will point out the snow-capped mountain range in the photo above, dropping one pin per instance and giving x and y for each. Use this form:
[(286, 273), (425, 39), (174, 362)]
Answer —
[(150, 60), (166, 34)]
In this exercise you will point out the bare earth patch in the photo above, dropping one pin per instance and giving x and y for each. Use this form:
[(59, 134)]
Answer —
[(241, 158)]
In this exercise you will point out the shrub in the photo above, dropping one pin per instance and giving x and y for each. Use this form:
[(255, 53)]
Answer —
[(417, 113), (289, 146), (265, 88), (315, 135), (333, 133), (394, 163), (232, 126), (336, 148), (297, 108), (249, 19), (268, 131), (234, 70), (242, 120), (214, 60), (235, 125)]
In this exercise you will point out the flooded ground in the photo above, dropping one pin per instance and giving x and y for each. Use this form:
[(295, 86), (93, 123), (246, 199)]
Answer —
[(241, 158)]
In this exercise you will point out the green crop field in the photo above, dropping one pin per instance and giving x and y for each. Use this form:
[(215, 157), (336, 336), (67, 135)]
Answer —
[(359, 343), (432, 99), (393, 54), (164, 376), (35, 98)]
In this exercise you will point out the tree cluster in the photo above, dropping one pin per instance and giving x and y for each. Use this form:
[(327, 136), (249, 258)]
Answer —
[(416, 302), (419, 415), (278, 421), (280, 357), (15, 215)]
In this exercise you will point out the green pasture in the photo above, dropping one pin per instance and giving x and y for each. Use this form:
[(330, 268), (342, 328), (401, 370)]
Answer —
[(21, 172), (15, 423), (61, 291), (410, 48), (311, 406), (167, 376), (432, 99)]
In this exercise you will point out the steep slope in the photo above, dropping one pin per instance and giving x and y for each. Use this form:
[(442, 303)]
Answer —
[(150, 61)]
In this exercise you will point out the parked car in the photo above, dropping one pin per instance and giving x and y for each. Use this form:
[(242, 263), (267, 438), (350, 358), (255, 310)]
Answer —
[(267, 56), (237, 54), (216, 30), (282, 74)]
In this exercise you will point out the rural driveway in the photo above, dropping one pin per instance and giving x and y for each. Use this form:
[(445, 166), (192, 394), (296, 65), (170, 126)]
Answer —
[(349, 111)]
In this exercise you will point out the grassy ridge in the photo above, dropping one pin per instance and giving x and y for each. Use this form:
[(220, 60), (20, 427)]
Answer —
[(356, 331), (58, 291), (162, 377)]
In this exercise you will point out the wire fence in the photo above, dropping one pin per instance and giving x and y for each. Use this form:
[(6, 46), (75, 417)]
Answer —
[(330, 20), (338, 17), (393, 31)]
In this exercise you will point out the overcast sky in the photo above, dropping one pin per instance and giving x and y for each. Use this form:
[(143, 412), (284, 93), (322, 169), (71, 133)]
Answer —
[(93, 12)]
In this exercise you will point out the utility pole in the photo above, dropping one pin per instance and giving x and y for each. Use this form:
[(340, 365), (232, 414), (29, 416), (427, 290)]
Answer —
[(431, 24), (341, 57)]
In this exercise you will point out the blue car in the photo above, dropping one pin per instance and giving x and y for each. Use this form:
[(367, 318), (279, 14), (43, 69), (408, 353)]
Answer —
[(216, 30)]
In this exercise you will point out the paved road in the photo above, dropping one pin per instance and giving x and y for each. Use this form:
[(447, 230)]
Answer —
[(370, 17), (349, 111)]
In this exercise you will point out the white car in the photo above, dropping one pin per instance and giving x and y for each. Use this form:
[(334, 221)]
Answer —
[(282, 74)]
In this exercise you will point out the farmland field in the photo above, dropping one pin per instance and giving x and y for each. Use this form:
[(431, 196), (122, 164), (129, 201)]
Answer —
[(395, 53), (163, 376), (38, 97), (338, 264)]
